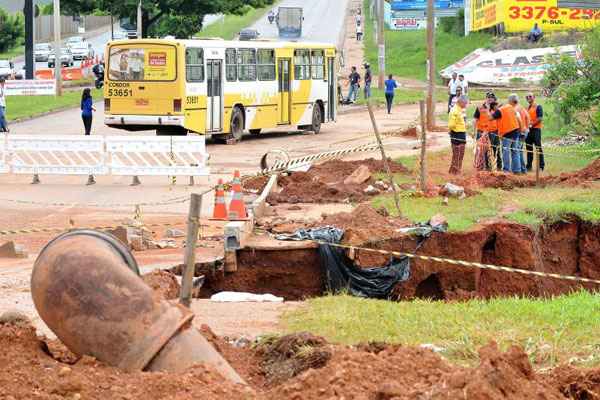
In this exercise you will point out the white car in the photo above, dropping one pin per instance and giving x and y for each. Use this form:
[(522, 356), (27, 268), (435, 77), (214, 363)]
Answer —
[(74, 40), (119, 35), (66, 58), (41, 52), (7, 69), (82, 51)]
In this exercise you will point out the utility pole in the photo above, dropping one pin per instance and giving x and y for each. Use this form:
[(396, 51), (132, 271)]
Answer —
[(381, 41), (139, 20), (57, 49), (28, 11), (430, 64)]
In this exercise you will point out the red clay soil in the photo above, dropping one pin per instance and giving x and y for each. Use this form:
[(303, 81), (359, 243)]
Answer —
[(29, 371), (163, 283), (589, 173), (324, 183)]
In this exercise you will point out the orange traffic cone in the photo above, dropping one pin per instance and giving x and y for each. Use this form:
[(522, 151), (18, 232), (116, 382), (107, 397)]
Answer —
[(220, 211), (237, 208)]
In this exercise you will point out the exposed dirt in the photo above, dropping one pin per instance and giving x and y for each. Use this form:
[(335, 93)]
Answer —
[(30, 371), (324, 183), (164, 284), (589, 173)]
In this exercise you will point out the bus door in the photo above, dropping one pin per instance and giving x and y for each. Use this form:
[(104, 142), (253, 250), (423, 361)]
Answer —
[(283, 79), (331, 89), (214, 97)]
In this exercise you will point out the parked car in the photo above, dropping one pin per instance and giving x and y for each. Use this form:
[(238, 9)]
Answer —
[(66, 58), (248, 34), (82, 51), (41, 52), (131, 34), (20, 74), (74, 40), (7, 69), (119, 35)]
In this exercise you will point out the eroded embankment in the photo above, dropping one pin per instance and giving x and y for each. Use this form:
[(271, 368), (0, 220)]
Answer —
[(569, 248)]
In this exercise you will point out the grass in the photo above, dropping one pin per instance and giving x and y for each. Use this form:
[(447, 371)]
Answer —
[(12, 53), (19, 107), (406, 51), (533, 205), (229, 28), (550, 330)]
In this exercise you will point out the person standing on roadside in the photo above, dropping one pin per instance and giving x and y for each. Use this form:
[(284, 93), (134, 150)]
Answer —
[(390, 86), (354, 79), (533, 142), (462, 82), (458, 134), (87, 109), (359, 32), (452, 85), (3, 123), (509, 128), (368, 79)]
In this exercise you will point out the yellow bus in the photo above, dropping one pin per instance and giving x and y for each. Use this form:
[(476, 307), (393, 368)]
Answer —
[(218, 88)]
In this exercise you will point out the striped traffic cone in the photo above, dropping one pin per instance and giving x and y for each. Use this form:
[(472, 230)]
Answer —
[(237, 208), (220, 211)]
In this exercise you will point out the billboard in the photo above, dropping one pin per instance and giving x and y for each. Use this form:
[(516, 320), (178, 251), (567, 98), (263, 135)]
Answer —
[(403, 5), (487, 67), (586, 4), (521, 15)]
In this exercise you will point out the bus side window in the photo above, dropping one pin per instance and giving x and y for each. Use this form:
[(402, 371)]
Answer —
[(231, 65), (301, 65), (266, 65), (317, 64), (194, 65), (247, 65)]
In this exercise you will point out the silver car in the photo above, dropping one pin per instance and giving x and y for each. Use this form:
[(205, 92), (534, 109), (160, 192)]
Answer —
[(41, 52), (66, 58)]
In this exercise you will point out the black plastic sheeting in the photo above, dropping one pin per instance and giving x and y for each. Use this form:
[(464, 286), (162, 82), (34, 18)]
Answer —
[(343, 275)]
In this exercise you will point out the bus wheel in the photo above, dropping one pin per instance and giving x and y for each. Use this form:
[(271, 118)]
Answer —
[(255, 131), (237, 124), (316, 119)]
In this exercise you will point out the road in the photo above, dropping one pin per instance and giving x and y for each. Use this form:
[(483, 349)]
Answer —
[(323, 20)]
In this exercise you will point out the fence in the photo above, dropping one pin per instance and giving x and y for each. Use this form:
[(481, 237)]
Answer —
[(44, 25), (103, 155)]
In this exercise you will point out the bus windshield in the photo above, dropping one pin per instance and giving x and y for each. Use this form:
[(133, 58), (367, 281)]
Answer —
[(142, 63)]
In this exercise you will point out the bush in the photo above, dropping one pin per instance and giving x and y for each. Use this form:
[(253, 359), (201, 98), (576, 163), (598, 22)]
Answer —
[(454, 24), (12, 30)]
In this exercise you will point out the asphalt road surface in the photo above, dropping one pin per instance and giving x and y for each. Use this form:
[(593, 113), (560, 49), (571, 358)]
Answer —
[(323, 20)]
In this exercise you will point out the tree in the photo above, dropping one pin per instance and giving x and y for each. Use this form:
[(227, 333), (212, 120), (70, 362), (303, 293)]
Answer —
[(12, 30), (575, 83), (184, 17)]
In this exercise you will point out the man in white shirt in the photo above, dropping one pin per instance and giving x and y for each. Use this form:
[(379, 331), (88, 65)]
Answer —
[(452, 85), (463, 83), (3, 124)]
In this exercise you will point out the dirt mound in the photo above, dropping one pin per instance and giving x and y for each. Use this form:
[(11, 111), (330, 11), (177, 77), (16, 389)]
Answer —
[(324, 183), (398, 372), (255, 184), (364, 224), (164, 284), (576, 384), (589, 173), (290, 355)]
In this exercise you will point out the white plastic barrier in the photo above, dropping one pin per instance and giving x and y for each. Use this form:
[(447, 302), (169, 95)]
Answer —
[(103, 155), (168, 155)]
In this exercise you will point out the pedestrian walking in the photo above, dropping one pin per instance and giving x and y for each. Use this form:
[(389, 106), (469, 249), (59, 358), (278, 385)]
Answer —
[(368, 79), (533, 141), (458, 134), (390, 86), (87, 109), (3, 123), (509, 127), (354, 79), (452, 85), (359, 32)]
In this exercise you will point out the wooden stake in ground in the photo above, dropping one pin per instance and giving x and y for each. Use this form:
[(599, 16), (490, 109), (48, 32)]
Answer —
[(190, 250), (384, 157), (423, 147), (536, 154), (431, 64)]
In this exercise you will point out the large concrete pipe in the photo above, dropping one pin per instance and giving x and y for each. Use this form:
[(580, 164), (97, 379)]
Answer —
[(86, 288)]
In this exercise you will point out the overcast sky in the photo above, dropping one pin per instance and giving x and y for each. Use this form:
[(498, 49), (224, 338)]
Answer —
[(17, 5)]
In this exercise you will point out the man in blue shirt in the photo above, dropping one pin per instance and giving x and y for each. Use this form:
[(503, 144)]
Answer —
[(390, 86), (535, 34), (354, 79)]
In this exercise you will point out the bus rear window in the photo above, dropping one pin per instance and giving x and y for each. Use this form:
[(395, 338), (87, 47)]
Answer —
[(148, 63)]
